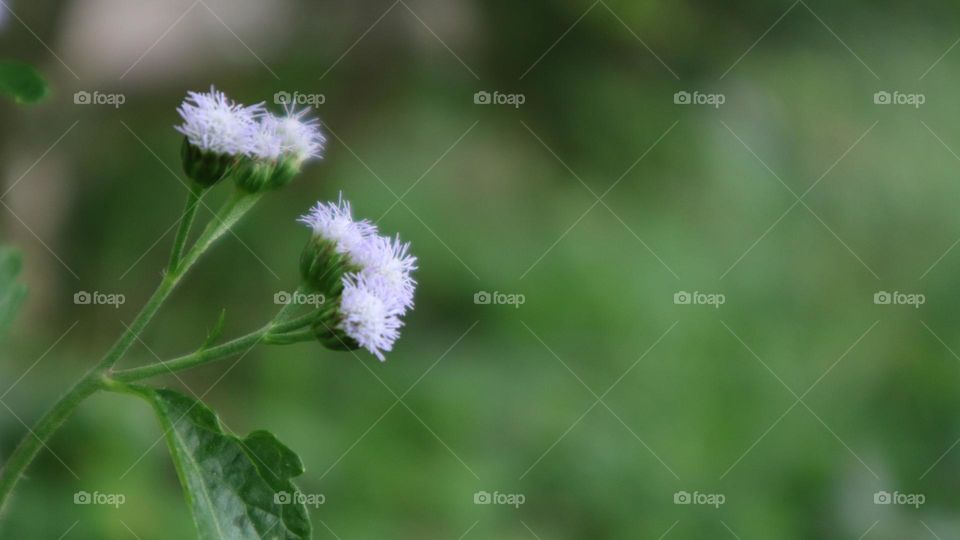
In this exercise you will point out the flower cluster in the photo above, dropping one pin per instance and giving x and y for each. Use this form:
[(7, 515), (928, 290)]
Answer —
[(369, 274), (261, 149)]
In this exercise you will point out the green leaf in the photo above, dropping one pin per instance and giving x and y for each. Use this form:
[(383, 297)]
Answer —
[(214, 334), (236, 489), (12, 292), (21, 82)]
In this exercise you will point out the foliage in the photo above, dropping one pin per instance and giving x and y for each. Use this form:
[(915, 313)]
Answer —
[(21, 82)]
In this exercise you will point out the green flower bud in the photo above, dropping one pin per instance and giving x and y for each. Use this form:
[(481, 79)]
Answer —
[(253, 175), (322, 267), (331, 336), (284, 172), (203, 166)]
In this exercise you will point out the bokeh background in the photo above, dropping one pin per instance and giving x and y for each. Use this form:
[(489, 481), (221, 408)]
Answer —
[(599, 399)]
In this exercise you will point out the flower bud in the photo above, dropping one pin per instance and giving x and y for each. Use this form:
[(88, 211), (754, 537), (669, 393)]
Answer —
[(367, 276), (216, 131), (284, 172), (322, 266), (253, 175), (331, 336), (202, 166)]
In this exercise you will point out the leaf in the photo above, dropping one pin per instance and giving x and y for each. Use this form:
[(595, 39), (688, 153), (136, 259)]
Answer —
[(236, 489), (214, 334), (22, 82), (12, 293)]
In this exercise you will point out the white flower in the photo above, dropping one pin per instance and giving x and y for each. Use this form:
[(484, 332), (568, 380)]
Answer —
[(300, 138), (264, 140), (378, 290), (334, 222), (368, 315), (213, 122), (389, 260)]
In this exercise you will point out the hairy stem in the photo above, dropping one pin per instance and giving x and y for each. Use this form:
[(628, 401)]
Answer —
[(293, 331), (198, 358), (235, 208), (186, 222), (31, 443)]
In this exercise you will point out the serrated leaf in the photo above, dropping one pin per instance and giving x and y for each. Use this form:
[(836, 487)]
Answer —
[(12, 292), (236, 489), (22, 82)]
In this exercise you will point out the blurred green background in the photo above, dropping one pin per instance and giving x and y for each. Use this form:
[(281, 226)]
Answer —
[(798, 400)]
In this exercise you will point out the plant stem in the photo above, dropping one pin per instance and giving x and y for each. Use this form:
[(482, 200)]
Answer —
[(235, 208), (293, 324), (285, 333), (31, 443), (287, 309), (194, 359), (306, 334), (186, 222)]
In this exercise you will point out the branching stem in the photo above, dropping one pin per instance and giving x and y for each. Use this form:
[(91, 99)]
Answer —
[(99, 376)]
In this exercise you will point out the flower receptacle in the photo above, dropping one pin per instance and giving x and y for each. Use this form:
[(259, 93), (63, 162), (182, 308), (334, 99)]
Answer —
[(322, 267), (203, 166)]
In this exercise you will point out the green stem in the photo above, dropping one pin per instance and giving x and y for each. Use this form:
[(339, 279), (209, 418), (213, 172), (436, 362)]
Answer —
[(306, 334), (287, 310), (275, 333), (31, 443), (194, 359), (186, 222), (294, 324), (235, 208)]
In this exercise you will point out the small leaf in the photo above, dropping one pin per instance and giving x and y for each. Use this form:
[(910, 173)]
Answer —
[(236, 489), (214, 334), (21, 82), (12, 293)]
